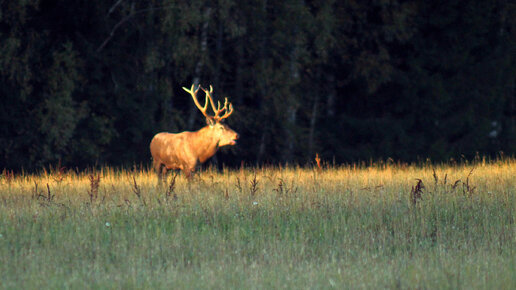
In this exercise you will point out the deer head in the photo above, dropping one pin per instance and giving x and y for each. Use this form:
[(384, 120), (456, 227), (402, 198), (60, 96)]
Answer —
[(216, 129)]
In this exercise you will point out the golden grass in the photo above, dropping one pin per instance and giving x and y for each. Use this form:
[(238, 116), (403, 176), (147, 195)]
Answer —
[(352, 226), (377, 181)]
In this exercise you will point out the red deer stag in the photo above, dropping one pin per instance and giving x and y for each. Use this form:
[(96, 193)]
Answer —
[(186, 149)]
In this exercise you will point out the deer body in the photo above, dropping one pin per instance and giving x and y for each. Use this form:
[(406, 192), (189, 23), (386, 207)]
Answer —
[(187, 149)]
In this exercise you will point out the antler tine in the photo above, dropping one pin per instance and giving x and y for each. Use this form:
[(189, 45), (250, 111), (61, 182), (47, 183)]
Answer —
[(193, 93), (223, 108), (217, 110), (228, 112), (208, 96)]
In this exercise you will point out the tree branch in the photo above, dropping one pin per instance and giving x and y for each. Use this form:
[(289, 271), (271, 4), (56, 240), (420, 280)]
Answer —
[(124, 20), (114, 6)]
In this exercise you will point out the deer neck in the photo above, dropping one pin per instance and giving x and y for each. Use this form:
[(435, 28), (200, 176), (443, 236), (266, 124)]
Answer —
[(206, 143)]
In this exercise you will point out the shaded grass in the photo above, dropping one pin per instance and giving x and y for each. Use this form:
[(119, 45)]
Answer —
[(351, 227)]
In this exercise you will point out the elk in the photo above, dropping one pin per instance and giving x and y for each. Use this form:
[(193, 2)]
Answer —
[(187, 149)]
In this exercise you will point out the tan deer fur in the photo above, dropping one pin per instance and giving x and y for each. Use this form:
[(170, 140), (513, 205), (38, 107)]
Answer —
[(187, 149)]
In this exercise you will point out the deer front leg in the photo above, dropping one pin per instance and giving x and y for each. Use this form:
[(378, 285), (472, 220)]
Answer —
[(189, 168)]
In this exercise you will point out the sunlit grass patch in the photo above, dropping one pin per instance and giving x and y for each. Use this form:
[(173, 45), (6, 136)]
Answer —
[(353, 226)]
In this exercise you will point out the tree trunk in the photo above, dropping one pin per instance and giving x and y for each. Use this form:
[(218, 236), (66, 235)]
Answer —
[(291, 123), (200, 63), (262, 86), (292, 104), (219, 53), (330, 102), (261, 148), (313, 119)]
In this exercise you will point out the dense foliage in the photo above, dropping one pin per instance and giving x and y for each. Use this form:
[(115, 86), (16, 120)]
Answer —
[(86, 82)]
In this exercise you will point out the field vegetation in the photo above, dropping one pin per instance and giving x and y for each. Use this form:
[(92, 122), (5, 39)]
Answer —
[(377, 225)]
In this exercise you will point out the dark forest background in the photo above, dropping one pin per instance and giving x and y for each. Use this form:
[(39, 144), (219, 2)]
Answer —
[(86, 82)]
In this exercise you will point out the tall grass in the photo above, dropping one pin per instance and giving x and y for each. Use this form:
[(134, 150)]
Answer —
[(357, 226)]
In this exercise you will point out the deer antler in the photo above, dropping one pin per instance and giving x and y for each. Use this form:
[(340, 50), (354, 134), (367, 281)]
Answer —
[(218, 110), (194, 97)]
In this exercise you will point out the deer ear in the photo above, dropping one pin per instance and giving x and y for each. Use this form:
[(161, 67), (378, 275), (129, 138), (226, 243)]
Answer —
[(210, 122)]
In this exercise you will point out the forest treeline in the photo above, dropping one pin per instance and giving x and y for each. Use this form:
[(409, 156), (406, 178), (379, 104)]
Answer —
[(86, 82)]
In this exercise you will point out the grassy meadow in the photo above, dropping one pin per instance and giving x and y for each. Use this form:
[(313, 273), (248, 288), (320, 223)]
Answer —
[(367, 226)]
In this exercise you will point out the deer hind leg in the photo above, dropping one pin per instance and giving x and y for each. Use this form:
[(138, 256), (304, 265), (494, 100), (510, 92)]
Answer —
[(164, 172), (156, 164), (188, 174), (160, 169)]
